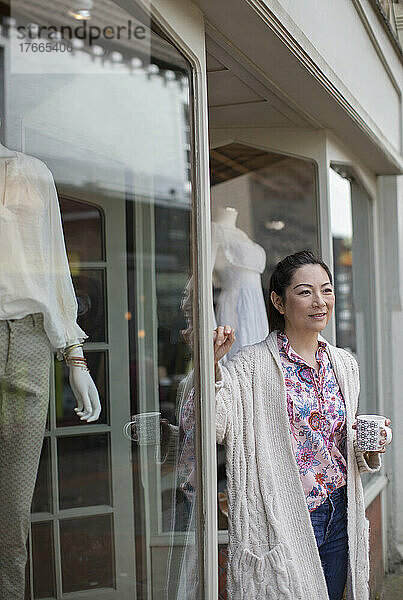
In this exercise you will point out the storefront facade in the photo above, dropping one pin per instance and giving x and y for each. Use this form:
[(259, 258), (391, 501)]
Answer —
[(287, 121)]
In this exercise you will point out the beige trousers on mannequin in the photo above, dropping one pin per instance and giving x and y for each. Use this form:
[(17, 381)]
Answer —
[(25, 358)]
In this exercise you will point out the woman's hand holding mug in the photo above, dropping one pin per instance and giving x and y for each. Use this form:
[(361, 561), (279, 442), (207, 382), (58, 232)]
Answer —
[(223, 338), (373, 433)]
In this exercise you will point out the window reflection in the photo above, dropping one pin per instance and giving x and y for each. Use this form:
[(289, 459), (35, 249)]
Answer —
[(90, 291), (342, 232), (42, 554), (264, 207), (116, 513), (351, 224), (274, 195), (42, 500), (79, 217), (84, 470), (90, 537)]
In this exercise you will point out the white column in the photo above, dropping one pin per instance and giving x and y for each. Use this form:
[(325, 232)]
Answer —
[(390, 236)]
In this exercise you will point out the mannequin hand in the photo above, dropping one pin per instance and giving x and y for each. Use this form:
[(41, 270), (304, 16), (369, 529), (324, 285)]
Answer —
[(223, 338), (86, 394)]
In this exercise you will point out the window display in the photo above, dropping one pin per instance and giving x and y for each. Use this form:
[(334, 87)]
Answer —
[(238, 264), (95, 240), (263, 207), (38, 311)]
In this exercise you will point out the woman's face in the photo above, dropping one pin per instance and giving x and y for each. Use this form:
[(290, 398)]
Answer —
[(309, 300)]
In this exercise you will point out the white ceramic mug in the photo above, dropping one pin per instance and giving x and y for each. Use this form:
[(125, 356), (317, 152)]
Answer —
[(144, 429), (369, 433)]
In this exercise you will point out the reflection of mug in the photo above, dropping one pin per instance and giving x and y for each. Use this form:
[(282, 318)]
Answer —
[(371, 431), (144, 429)]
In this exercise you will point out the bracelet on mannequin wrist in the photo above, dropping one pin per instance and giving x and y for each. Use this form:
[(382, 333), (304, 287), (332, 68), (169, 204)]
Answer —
[(68, 349), (77, 361)]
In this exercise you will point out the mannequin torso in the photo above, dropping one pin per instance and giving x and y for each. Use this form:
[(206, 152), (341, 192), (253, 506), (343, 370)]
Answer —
[(227, 218), (237, 265), (15, 217)]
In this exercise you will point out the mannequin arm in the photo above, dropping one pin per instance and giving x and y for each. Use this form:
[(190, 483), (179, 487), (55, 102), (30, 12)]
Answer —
[(84, 389)]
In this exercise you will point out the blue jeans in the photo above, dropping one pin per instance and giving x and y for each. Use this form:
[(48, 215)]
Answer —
[(329, 522)]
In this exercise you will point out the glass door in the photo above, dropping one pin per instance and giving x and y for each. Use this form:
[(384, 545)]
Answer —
[(115, 515), (269, 201)]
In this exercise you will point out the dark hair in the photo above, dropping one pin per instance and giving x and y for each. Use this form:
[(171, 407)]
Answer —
[(281, 279)]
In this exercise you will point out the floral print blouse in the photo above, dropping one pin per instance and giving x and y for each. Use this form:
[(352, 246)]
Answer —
[(317, 415)]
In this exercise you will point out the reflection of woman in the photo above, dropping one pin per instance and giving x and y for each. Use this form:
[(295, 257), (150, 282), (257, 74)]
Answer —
[(285, 410), (182, 581)]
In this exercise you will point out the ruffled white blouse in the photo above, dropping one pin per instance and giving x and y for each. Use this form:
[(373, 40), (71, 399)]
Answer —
[(34, 271)]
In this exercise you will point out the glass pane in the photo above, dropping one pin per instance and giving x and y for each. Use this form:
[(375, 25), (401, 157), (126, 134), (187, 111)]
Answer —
[(78, 217), (109, 122), (84, 470), (89, 537), (264, 207), (342, 234), (343, 287), (43, 560), (89, 285), (351, 218), (42, 500), (65, 400)]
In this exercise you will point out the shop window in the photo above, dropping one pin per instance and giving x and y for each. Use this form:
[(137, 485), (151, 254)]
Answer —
[(264, 207), (342, 238), (113, 517), (353, 264)]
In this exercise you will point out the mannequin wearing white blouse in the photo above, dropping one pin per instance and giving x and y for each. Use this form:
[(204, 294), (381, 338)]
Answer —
[(38, 315), (88, 404), (238, 263)]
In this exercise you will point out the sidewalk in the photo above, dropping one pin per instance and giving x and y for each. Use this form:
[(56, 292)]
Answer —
[(392, 588)]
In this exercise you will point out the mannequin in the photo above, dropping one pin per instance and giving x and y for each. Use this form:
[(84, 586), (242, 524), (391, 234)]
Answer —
[(237, 265), (226, 216), (38, 311)]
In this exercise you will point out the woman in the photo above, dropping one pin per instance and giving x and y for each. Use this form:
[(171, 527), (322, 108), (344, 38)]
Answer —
[(286, 410)]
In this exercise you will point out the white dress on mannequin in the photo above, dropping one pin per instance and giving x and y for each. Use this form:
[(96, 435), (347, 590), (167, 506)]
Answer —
[(238, 265)]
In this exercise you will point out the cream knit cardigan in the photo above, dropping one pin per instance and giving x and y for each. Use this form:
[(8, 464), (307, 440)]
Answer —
[(272, 548)]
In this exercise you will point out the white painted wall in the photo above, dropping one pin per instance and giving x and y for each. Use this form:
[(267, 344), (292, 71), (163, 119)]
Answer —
[(336, 31)]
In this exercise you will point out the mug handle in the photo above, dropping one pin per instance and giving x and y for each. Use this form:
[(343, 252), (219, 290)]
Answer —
[(388, 439), (128, 433)]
